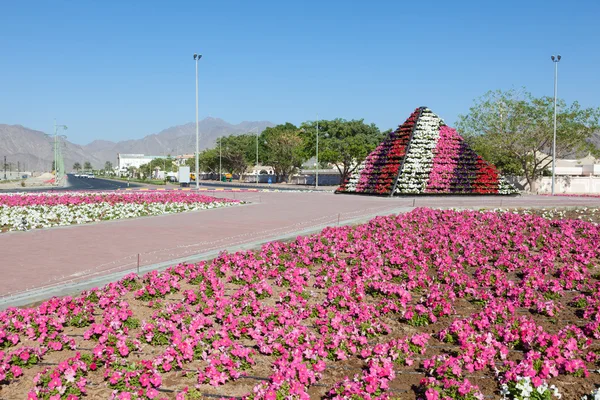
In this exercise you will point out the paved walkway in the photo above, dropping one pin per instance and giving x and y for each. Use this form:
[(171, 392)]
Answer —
[(40, 263)]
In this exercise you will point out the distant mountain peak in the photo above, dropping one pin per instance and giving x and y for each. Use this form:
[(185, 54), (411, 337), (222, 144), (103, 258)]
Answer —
[(34, 147)]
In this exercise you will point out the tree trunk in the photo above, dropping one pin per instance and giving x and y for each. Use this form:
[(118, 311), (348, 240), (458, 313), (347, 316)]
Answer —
[(532, 184)]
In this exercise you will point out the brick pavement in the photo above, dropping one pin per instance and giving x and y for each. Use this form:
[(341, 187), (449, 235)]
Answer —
[(49, 258)]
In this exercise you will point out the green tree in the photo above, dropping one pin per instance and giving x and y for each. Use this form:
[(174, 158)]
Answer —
[(132, 172), (77, 167), (87, 166), (514, 130), (237, 152), (208, 161), (342, 143), (165, 164), (108, 166), (283, 150)]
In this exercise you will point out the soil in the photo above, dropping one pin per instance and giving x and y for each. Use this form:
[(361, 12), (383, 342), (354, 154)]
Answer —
[(403, 386)]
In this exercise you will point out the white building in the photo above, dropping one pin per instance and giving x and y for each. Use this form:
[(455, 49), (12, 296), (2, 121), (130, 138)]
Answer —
[(576, 176), (124, 161), (181, 159)]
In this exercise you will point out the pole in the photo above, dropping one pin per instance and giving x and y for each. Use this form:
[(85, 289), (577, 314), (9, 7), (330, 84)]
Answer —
[(4, 167), (317, 171), (257, 172), (55, 152), (220, 173), (197, 140), (554, 137)]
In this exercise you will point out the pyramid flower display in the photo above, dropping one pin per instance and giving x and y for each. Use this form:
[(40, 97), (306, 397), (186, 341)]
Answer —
[(425, 156)]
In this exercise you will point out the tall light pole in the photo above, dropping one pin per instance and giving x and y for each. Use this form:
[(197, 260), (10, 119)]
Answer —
[(56, 150), (256, 127), (220, 155), (197, 58), (317, 171), (555, 60)]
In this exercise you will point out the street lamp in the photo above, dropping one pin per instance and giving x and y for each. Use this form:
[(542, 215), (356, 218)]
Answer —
[(555, 60), (220, 157), (317, 170), (257, 133), (56, 150), (197, 58)]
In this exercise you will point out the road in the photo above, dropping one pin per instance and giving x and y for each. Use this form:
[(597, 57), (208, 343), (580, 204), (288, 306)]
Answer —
[(74, 183)]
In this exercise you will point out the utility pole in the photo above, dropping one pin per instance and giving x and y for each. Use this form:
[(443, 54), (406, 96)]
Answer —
[(4, 167), (197, 58), (55, 152), (555, 60), (317, 171)]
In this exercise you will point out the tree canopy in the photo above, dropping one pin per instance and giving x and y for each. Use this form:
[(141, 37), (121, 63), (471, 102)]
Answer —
[(514, 130), (282, 149), (342, 143)]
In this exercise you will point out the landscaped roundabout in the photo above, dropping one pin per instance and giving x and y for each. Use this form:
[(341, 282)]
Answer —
[(427, 305), (33, 211)]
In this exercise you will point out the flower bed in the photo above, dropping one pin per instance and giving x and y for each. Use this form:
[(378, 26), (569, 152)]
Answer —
[(32, 211), (425, 305), (424, 156)]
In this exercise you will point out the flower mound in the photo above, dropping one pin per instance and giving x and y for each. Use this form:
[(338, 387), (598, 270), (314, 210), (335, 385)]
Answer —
[(424, 156), (426, 305), (32, 211)]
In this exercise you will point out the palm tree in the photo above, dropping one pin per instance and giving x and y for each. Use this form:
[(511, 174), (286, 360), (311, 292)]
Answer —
[(77, 167), (87, 166)]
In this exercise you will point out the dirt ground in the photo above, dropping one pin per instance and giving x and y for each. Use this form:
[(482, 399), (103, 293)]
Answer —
[(404, 386)]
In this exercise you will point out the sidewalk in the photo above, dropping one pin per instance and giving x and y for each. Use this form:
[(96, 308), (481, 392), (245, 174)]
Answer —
[(40, 263)]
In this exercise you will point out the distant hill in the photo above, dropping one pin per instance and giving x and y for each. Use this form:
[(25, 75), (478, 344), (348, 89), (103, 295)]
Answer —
[(33, 150), (180, 139)]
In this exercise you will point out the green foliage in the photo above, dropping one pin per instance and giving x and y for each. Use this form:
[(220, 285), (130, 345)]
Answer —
[(77, 167), (166, 164), (131, 323), (87, 166), (341, 142), (235, 153), (514, 130), (282, 149)]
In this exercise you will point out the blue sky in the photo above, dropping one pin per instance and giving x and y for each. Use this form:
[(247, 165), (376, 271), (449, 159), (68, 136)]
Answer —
[(118, 70)]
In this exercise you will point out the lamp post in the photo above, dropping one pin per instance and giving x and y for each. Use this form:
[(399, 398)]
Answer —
[(555, 60), (56, 150), (256, 127), (197, 58), (220, 158), (317, 171)]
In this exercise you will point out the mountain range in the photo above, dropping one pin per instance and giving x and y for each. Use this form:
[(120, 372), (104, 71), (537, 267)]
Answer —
[(32, 150)]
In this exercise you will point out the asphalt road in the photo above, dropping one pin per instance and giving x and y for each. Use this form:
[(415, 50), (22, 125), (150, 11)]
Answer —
[(74, 183)]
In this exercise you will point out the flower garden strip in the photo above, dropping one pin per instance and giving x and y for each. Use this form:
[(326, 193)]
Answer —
[(427, 305), (424, 156), (32, 211)]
